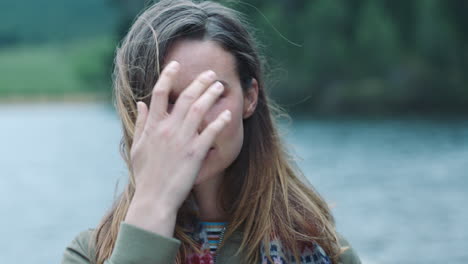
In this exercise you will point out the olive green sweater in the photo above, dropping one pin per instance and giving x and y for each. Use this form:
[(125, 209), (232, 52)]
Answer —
[(138, 246)]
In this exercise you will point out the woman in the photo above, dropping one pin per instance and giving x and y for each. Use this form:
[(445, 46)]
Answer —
[(210, 180)]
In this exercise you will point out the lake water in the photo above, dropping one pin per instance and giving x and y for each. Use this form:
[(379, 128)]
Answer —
[(399, 188)]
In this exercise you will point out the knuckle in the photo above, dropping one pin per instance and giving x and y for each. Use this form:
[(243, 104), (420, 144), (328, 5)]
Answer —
[(187, 97), (168, 72), (197, 109), (165, 132), (203, 81)]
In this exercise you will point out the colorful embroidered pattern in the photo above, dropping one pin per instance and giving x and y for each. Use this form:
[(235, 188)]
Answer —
[(203, 236), (311, 254), (213, 231), (205, 258)]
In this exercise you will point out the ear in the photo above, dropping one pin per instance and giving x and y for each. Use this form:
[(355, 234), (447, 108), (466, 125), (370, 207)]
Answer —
[(250, 99)]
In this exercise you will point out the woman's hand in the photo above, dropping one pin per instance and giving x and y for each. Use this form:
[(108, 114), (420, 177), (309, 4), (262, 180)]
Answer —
[(167, 151)]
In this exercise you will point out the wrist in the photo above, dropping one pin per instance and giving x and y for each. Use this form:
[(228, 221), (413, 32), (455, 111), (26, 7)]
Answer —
[(151, 215)]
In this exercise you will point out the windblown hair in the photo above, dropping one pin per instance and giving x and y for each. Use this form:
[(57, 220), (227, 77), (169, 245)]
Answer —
[(263, 190)]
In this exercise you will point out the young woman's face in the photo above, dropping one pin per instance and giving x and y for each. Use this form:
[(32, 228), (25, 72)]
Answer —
[(195, 57)]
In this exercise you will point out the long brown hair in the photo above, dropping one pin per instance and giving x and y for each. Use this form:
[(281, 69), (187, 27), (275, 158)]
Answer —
[(264, 191)]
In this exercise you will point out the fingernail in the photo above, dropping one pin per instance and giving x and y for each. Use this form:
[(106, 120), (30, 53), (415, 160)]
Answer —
[(173, 66), (227, 114), (209, 75), (218, 86)]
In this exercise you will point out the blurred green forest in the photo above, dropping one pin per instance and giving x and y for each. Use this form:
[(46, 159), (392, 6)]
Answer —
[(325, 56)]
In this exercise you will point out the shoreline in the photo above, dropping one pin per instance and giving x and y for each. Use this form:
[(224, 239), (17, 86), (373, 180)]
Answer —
[(93, 97), (57, 98)]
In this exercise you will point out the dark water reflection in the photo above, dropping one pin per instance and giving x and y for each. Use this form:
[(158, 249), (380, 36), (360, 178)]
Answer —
[(398, 187)]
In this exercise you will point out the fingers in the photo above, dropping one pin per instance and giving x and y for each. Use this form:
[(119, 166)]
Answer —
[(192, 93), (201, 106), (207, 137), (140, 121), (161, 90)]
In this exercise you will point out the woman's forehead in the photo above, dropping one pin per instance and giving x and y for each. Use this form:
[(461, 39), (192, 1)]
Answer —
[(196, 56)]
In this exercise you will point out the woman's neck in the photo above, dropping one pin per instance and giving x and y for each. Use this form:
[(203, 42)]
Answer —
[(208, 202)]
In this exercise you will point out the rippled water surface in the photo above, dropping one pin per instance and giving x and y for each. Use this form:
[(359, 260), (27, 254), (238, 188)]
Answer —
[(398, 188)]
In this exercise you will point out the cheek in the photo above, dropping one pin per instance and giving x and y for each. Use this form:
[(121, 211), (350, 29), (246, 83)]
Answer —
[(230, 142), (232, 135), (218, 107)]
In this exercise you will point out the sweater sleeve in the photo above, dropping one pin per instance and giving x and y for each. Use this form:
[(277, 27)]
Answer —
[(133, 246), (349, 256)]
